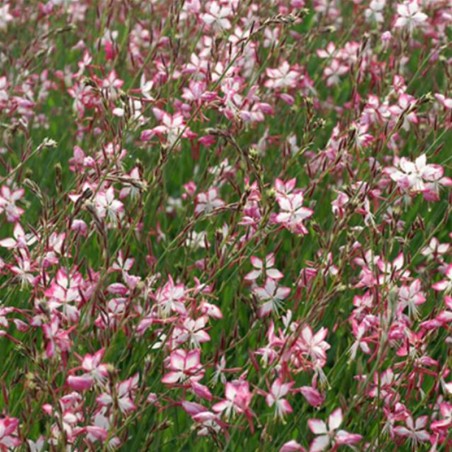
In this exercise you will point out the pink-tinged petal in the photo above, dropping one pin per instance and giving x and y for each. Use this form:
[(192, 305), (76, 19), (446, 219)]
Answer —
[(285, 405), (421, 422), (171, 377), (201, 390), (422, 435), (265, 309), (220, 406), (252, 275), (193, 358), (306, 334), (282, 292), (192, 408), (270, 260), (312, 396), (401, 431), (317, 426), (303, 213), (343, 437), (8, 243), (256, 262), (291, 446), (275, 274), (440, 285), (335, 419), (398, 261), (82, 383), (319, 444), (261, 293), (177, 359)]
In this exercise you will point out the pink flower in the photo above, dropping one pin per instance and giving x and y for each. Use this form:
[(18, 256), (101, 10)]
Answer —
[(184, 366), (8, 199), (271, 295), (411, 297), (207, 202), (330, 434), (109, 207), (124, 394), (56, 338), (414, 431), (20, 240), (445, 285), (446, 102), (5, 17), (292, 446), (8, 433), (171, 298), (173, 126), (276, 396), (334, 71), (292, 212), (217, 16), (312, 395), (65, 290), (238, 398), (282, 77), (95, 372), (419, 177), (208, 422), (314, 344), (409, 15), (264, 268)]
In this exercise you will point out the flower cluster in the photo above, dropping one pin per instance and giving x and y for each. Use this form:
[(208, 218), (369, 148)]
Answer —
[(225, 225)]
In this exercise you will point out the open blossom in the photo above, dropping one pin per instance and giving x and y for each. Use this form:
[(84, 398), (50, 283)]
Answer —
[(334, 71), (56, 338), (107, 206), (8, 200), (409, 15), (329, 434), (276, 395), (208, 201), (124, 395), (263, 268), (414, 431), (192, 331), (271, 296), (65, 290), (95, 372), (314, 344), (20, 240), (8, 433), (292, 212), (5, 16), (282, 77), (217, 16), (418, 176), (237, 401), (411, 297), (375, 12), (434, 249), (171, 298), (184, 366), (445, 284), (172, 126)]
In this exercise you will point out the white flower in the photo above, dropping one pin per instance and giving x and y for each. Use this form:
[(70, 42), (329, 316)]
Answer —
[(5, 17), (409, 15), (217, 17)]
